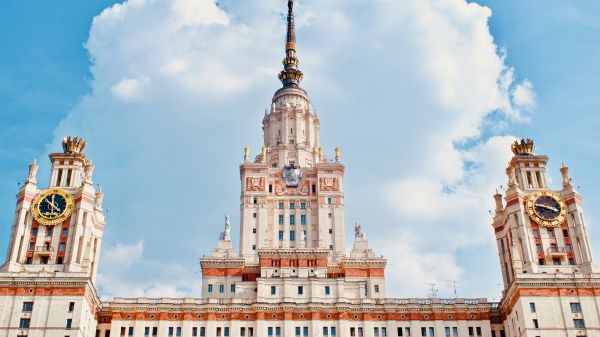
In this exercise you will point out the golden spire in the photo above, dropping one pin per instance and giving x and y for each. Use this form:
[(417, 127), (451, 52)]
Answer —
[(290, 76), (523, 148)]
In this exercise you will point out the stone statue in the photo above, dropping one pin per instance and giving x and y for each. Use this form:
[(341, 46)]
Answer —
[(33, 168), (89, 171), (99, 198), (358, 233), (226, 235)]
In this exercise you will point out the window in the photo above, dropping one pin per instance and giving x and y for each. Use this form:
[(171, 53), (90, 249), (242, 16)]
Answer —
[(303, 219), (541, 262), (571, 261), (232, 288), (556, 262), (327, 290), (493, 333), (195, 332), (271, 185), (314, 188), (292, 205), (535, 324), (253, 230), (376, 288), (226, 331), (292, 219), (329, 215), (154, 331), (69, 323), (303, 205), (273, 290), (330, 230), (447, 331), (551, 233), (291, 142), (325, 331), (281, 205), (202, 331), (568, 247), (455, 331), (270, 331), (502, 333), (553, 248), (171, 331), (250, 332), (253, 247), (255, 200), (254, 215), (384, 332), (210, 288), (360, 332), (536, 233), (281, 219), (298, 330), (376, 332), (300, 290), (49, 231), (532, 307), (280, 235), (565, 233), (122, 331), (61, 247), (333, 331), (71, 306), (478, 329), (579, 323), (34, 232), (576, 307), (31, 245), (292, 235), (130, 332), (431, 332), (353, 332), (178, 331), (471, 331), (329, 200), (538, 248), (27, 306), (221, 288), (330, 247), (305, 331), (24, 323), (64, 232)]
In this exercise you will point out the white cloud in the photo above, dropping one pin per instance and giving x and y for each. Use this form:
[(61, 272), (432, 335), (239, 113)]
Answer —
[(409, 88)]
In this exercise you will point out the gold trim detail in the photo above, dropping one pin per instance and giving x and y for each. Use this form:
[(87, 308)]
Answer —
[(44, 220), (530, 207)]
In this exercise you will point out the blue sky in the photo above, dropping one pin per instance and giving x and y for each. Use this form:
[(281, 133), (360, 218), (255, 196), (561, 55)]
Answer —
[(383, 80)]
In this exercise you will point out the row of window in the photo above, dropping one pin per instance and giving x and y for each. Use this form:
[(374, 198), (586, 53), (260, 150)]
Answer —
[(292, 219), (25, 323), (28, 306), (551, 234), (221, 288), (49, 231), (575, 307), (292, 205)]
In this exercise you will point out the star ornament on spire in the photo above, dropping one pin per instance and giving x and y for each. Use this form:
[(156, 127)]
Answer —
[(290, 76)]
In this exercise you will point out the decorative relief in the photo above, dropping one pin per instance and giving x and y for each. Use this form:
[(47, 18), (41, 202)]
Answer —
[(282, 190), (328, 184), (255, 183)]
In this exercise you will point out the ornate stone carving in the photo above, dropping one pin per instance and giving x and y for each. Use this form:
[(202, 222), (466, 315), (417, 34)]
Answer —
[(255, 183), (328, 184)]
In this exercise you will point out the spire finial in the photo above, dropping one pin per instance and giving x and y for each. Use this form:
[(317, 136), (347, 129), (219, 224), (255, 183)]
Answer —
[(290, 75)]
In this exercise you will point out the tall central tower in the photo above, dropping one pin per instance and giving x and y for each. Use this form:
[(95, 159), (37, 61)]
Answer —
[(292, 195)]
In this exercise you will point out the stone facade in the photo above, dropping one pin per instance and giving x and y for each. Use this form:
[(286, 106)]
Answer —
[(292, 275)]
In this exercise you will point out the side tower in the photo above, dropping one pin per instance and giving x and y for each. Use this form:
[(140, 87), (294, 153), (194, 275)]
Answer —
[(544, 251), (47, 280)]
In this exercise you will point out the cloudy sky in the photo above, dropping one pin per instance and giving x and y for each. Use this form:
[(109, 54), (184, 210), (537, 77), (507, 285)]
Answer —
[(423, 97)]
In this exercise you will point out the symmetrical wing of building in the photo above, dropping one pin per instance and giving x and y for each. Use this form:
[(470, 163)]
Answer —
[(292, 275)]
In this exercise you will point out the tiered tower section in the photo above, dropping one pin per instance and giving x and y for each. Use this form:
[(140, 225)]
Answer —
[(544, 252)]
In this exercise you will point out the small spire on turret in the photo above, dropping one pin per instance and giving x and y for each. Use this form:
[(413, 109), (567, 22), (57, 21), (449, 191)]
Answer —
[(246, 154), (564, 171), (290, 76)]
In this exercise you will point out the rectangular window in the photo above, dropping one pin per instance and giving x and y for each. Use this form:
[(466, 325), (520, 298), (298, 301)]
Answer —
[(219, 330), (253, 215), (330, 247), (327, 290), (329, 200), (255, 200), (314, 188), (273, 290), (493, 333), (292, 205), (65, 231), (423, 332), (455, 331), (171, 330), (502, 333), (61, 247), (471, 331), (325, 331), (376, 332), (360, 332), (565, 233), (147, 331), (69, 323), (376, 288), (407, 332), (538, 248), (535, 324), (303, 219), (221, 288), (384, 332), (579, 323), (330, 230), (253, 230), (250, 332), (556, 262), (298, 331), (532, 307), (352, 332), (536, 233), (281, 205), (281, 221), (210, 288), (130, 332), (71, 306), (571, 261), (271, 185), (27, 306), (292, 219), (478, 329), (202, 331), (178, 331), (551, 233), (49, 231), (300, 290), (154, 331), (24, 323), (292, 235), (195, 332), (253, 247), (122, 331), (270, 331), (333, 331), (277, 331), (232, 288), (280, 235), (447, 331), (303, 205), (568, 247), (34, 232), (575, 307), (305, 331), (431, 332)]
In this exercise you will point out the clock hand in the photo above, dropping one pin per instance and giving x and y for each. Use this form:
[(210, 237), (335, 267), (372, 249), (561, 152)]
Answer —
[(546, 206), (51, 204)]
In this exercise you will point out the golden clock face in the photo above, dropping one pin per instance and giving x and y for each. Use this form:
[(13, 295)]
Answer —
[(52, 207), (546, 208)]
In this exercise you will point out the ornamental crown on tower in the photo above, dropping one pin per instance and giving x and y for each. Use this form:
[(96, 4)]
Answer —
[(523, 148), (290, 76), (73, 145)]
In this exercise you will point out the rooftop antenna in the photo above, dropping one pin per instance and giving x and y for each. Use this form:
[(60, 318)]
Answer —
[(454, 286), (432, 290)]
